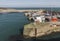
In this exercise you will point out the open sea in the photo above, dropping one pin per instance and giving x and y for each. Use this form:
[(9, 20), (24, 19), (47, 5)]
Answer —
[(12, 23)]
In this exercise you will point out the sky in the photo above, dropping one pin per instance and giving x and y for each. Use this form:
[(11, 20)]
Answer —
[(29, 3)]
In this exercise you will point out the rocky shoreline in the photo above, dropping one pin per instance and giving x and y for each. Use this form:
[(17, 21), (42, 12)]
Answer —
[(44, 31)]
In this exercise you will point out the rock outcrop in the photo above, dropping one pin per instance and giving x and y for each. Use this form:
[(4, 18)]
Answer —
[(42, 30)]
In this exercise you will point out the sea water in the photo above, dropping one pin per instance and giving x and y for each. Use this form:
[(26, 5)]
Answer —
[(10, 24)]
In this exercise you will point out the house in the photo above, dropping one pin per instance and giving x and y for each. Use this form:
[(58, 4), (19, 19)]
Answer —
[(39, 18)]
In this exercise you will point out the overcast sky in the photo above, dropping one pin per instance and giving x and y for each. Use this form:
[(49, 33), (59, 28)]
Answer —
[(29, 3)]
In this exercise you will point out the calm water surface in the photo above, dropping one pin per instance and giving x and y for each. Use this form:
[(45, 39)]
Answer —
[(10, 24)]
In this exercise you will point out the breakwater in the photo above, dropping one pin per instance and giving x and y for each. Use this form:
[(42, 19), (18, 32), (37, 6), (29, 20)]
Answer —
[(15, 10)]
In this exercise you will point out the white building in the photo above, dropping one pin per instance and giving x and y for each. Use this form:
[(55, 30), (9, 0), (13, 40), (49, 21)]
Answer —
[(39, 18)]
